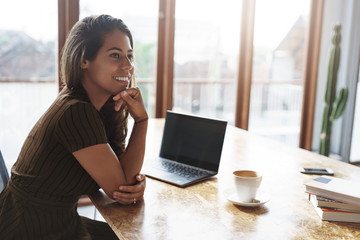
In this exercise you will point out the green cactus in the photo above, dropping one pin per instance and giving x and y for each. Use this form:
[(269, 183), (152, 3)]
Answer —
[(334, 105)]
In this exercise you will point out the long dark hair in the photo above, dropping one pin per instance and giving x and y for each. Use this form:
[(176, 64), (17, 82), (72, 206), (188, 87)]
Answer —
[(83, 43)]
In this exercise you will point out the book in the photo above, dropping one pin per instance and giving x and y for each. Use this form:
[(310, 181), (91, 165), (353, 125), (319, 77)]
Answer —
[(335, 188), (329, 214), (330, 203)]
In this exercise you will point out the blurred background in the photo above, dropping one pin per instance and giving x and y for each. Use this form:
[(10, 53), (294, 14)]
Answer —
[(205, 64)]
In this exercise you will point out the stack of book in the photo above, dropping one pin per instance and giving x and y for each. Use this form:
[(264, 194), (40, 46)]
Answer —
[(335, 199)]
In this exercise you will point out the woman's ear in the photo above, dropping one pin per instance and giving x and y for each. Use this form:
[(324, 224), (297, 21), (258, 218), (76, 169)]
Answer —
[(84, 64)]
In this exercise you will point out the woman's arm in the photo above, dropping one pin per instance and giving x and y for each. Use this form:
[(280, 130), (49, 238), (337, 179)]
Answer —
[(135, 149), (101, 162)]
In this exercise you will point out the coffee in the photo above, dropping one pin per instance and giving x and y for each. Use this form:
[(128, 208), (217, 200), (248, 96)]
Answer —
[(246, 173)]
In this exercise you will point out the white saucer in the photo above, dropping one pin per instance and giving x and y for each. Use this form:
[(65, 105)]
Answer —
[(260, 198)]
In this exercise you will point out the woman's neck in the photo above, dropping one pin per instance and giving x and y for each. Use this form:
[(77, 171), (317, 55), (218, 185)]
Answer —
[(97, 97)]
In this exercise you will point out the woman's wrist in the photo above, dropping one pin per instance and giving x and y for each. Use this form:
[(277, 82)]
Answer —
[(141, 120)]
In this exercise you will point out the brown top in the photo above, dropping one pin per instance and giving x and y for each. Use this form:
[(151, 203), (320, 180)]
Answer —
[(46, 181)]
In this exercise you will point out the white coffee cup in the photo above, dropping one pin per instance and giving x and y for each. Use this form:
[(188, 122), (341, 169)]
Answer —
[(247, 183)]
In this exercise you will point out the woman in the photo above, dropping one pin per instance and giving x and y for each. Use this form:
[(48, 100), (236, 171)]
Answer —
[(78, 145)]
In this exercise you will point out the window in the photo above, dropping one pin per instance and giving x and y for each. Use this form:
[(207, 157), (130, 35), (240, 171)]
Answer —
[(206, 61), (278, 68), (206, 50), (28, 69), (142, 19)]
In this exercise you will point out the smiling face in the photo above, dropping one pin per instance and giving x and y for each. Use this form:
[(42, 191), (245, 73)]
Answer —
[(111, 70)]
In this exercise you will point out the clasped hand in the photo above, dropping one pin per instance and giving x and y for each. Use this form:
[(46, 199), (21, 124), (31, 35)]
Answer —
[(130, 194), (133, 99)]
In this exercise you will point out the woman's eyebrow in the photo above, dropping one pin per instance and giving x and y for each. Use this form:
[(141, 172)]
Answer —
[(119, 49)]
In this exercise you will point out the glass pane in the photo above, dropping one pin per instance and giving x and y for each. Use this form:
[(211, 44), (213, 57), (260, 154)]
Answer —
[(28, 69), (141, 16), (278, 66), (355, 141), (206, 55)]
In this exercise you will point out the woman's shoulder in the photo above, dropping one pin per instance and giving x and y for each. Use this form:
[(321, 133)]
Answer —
[(69, 104), (72, 97)]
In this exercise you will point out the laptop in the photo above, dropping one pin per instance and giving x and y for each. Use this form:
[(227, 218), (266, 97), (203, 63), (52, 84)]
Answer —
[(190, 150)]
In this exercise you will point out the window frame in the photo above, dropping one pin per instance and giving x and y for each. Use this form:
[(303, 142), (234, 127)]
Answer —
[(68, 15)]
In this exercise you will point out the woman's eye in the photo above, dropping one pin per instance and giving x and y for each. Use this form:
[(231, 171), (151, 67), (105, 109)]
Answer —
[(131, 57), (115, 55)]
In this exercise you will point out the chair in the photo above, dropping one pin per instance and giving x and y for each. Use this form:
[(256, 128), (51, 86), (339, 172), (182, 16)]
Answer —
[(4, 175)]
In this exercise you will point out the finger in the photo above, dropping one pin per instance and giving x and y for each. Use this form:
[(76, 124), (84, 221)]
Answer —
[(126, 197), (125, 201), (128, 98), (128, 202), (117, 97), (131, 91), (139, 187), (140, 177), (118, 104), (134, 91)]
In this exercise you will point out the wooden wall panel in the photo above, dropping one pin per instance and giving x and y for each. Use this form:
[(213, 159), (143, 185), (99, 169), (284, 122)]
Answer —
[(311, 73), (165, 58), (68, 15), (245, 65)]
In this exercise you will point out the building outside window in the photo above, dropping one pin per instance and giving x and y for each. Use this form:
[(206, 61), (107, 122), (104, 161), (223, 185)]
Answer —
[(278, 69), (207, 35), (28, 69)]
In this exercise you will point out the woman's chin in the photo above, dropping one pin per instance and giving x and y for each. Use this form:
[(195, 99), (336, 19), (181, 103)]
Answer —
[(118, 90)]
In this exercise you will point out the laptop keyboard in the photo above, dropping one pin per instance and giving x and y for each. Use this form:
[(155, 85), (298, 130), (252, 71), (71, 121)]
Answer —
[(182, 169)]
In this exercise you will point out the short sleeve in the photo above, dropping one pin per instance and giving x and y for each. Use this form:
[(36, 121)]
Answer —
[(80, 126)]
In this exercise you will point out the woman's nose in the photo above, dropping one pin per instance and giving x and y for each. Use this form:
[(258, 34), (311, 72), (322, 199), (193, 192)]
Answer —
[(127, 64)]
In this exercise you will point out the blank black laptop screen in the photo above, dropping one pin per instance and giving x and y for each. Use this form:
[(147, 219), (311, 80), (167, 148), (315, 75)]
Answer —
[(193, 140)]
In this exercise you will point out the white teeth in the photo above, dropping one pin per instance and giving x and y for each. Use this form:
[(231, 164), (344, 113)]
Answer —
[(121, 78)]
